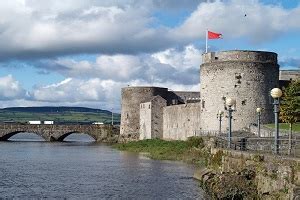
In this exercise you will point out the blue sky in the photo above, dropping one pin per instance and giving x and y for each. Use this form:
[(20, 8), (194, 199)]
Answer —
[(82, 52)]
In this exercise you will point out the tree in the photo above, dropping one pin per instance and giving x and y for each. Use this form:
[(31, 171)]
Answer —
[(290, 107)]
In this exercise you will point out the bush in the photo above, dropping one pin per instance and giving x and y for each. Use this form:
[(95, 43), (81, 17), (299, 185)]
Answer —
[(195, 142)]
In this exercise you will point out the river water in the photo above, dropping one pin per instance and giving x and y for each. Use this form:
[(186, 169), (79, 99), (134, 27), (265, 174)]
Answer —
[(82, 169)]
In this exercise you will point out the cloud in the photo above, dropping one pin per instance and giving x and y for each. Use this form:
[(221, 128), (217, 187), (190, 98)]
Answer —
[(290, 62), (261, 23), (169, 5), (180, 66), (93, 92), (10, 88), (57, 28), (99, 82)]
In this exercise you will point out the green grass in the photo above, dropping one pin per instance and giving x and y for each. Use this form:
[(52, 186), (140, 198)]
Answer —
[(285, 126), (188, 151), (58, 117)]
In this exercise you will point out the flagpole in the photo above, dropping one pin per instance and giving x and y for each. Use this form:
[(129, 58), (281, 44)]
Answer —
[(206, 35)]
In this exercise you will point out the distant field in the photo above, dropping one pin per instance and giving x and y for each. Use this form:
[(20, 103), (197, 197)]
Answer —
[(59, 117), (284, 126)]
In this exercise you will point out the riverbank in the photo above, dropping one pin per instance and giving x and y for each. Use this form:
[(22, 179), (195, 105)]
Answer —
[(190, 151), (227, 174)]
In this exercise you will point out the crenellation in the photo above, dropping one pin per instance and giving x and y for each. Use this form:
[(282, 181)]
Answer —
[(240, 56)]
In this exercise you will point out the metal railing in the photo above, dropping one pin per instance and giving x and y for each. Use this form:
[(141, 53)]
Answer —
[(261, 145)]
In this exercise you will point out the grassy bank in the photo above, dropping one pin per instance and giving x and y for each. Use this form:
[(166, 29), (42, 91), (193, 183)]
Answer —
[(58, 117), (285, 126), (189, 151)]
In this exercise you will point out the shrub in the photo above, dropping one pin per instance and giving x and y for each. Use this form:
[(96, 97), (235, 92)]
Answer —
[(195, 142)]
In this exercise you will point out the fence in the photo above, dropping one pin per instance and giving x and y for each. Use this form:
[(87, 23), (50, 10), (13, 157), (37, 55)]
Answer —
[(261, 145)]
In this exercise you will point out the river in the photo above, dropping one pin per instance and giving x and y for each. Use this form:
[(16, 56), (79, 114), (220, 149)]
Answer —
[(82, 169)]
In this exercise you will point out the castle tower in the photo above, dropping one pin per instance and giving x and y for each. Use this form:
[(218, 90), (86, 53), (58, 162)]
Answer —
[(132, 97), (247, 76)]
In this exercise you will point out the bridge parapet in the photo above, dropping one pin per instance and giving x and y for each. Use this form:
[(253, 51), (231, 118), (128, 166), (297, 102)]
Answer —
[(58, 132)]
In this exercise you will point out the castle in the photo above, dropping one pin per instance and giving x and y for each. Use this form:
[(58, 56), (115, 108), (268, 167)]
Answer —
[(246, 76)]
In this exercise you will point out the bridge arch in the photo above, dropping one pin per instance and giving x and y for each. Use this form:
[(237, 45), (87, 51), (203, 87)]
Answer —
[(8, 135), (62, 137)]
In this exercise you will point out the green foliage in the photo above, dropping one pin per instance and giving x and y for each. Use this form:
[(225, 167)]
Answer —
[(59, 117), (216, 160), (195, 142), (258, 158), (285, 126), (167, 150), (290, 105), (158, 149)]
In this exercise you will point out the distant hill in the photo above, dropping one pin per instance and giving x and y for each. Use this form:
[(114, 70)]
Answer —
[(58, 114), (49, 109)]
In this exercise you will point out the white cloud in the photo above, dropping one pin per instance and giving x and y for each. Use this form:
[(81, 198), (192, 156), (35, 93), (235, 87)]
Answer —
[(134, 51), (101, 81), (10, 88), (58, 28), (189, 57), (261, 23), (53, 28), (174, 65)]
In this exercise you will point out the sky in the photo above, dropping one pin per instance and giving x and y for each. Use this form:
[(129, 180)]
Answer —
[(82, 52)]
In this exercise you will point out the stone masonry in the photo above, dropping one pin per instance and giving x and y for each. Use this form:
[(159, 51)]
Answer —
[(246, 76), (181, 121), (151, 118), (56, 132), (132, 97)]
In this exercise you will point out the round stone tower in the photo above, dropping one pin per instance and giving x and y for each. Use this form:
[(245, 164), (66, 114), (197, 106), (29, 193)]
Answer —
[(132, 97), (246, 76)]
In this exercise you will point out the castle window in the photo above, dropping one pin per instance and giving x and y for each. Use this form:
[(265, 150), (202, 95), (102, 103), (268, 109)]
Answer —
[(203, 104), (149, 106), (238, 76), (244, 102)]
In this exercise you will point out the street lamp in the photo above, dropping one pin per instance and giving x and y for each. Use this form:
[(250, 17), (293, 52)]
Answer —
[(112, 117), (230, 102), (276, 93), (219, 116), (258, 110)]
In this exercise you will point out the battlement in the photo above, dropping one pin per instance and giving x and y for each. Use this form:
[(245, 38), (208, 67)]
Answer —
[(240, 55), (143, 89), (288, 75)]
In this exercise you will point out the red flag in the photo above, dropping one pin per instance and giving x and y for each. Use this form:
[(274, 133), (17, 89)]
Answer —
[(212, 35)]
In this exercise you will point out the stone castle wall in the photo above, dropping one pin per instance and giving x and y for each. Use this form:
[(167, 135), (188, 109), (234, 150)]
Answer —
[(132, 97), (181, 121), (145, 121), (246, 76), (287, 75), (184, 96), (151, 118)]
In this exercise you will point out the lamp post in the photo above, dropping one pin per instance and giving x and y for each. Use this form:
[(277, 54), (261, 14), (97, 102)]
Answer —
[(258, 110), (276, 93), (219, 116), (230, 102), (112, 117)]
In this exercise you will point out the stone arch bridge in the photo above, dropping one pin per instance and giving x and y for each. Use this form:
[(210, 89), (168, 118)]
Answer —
[(58, 132)]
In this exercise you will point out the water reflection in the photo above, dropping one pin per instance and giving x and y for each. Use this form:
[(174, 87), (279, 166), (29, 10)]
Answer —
[(32, 137), (88, 170), (26, 137), (79, 137)]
